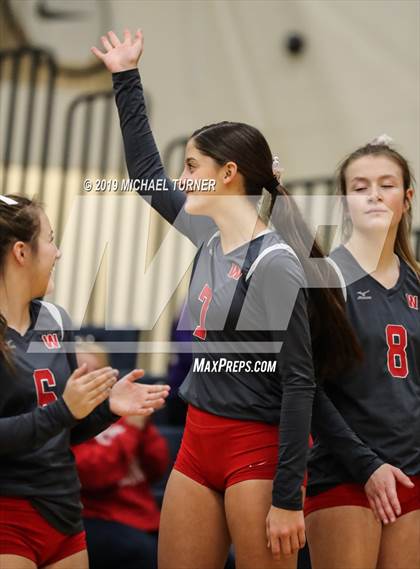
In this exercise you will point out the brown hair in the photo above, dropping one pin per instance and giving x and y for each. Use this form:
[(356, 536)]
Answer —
[(402, 243), (247, 147), (18, 222)]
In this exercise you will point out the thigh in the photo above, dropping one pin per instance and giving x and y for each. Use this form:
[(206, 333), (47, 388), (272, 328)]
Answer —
[(79, 560), (16, 562), (247, 504), (400, 543), (343, 536), (193, 531)]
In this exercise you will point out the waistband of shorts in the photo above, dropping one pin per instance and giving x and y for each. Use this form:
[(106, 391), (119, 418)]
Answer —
[(16, 502), (353, 494), (205, 420)]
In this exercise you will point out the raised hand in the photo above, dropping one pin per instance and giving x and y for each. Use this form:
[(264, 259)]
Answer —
[(85, 391), (381, 492), (120, 56), (129, 398)]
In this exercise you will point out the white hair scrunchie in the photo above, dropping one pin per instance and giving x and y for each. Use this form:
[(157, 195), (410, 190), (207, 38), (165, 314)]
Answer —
[(278, 171), (382, 140), (8, 201)]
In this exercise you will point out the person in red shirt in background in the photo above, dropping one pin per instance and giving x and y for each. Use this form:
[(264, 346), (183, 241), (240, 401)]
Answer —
[(116, 469)]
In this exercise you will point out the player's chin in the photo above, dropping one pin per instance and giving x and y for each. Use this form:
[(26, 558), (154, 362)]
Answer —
[(380, 224), (373, 225)]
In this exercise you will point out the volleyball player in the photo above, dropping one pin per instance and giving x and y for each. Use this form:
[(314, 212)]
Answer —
[(46, 402), (240, 469), (380, 397)]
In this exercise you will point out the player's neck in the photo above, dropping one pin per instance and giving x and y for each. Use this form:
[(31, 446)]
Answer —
[(14, 305), (238, 225), (376, 256)]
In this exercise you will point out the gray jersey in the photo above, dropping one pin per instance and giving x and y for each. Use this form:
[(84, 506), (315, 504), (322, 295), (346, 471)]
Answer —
[(241, 312), (36, 426), (380, 398)]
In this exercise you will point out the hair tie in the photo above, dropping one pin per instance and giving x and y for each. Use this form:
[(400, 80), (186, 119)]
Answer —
[(271, 185), (8, 201), (278, 171), (382, 140)]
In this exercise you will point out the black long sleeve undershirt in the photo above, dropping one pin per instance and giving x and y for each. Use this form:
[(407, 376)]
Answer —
[(144, 162)]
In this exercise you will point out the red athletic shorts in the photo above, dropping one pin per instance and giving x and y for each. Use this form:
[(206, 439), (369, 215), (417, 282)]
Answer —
[(353, 494), (218, 452), (23, 531)]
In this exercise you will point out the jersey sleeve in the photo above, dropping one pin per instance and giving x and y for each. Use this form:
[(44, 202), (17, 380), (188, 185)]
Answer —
[(333, 432), (29, 431), (143, 160), (282, 285), (96, 422)]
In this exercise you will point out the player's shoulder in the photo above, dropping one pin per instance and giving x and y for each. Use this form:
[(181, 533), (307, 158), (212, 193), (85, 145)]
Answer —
[(346, 266), (412, 279), (209, 236), (342, 257), (50, 316), (276, 258)]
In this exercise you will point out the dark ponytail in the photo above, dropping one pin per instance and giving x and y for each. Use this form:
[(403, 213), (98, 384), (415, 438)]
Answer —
[(4, 347), (19, 221), (334, 344)]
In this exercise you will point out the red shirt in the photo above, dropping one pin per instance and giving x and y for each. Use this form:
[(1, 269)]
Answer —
[(116, 469)]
